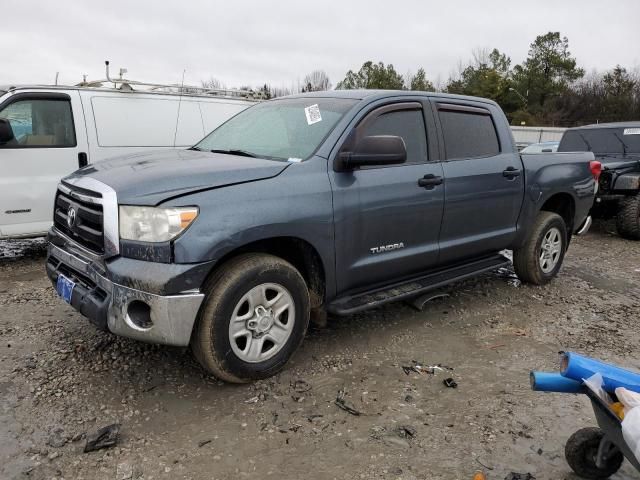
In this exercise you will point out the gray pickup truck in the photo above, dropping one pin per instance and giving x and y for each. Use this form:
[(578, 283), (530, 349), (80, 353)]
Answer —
[(326, 202)]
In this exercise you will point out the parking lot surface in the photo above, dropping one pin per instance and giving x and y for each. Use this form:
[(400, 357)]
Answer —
[(61, 380)]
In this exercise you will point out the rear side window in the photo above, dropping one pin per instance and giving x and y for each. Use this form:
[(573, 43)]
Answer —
[(39, 123), (407, 124), (468, 135)]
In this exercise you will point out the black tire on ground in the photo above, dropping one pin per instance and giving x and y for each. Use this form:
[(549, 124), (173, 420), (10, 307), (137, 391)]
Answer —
[(581, 450), (628, 217), (526, 260), (211, 338)]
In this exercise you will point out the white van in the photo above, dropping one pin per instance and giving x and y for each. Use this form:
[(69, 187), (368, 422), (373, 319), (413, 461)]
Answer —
[(47, 132)]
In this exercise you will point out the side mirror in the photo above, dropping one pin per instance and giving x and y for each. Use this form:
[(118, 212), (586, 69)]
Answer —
[(6, 132), (375, 150)]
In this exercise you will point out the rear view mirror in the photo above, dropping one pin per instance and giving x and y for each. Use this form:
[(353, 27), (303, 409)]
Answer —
[(6, 132), (375, 150)]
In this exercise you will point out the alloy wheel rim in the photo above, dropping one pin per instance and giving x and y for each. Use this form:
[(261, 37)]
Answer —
[(550, 250), (262, 322)]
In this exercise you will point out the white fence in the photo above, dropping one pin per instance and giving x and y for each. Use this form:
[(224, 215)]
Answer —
[(526, 135)]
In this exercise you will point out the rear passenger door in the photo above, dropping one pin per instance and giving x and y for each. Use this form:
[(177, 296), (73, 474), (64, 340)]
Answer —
[(49, 143), (386, 223), (483, 181)]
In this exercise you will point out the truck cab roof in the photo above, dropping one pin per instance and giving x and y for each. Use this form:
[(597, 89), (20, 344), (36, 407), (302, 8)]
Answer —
[(362, 94)]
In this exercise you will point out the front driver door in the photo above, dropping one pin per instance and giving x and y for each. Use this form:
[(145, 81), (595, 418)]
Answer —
[(386, 224), (49, 143)]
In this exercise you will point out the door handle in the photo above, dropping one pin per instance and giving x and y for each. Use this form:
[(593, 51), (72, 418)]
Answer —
[(429, 181), (511, 172), (82, 160)]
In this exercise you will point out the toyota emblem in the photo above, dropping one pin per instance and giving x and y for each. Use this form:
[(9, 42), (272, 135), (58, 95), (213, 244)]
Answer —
[(71, 217)]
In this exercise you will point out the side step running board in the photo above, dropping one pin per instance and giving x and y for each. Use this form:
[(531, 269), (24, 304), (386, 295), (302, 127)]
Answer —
[(391, 293)]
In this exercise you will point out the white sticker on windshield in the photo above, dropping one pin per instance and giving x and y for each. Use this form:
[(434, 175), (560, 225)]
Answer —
[(313, 114), (295, 160), (629, 131)]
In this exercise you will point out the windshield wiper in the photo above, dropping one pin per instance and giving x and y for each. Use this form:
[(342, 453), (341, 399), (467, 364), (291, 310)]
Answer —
[(624, 145), (241, 153), (585, 141)]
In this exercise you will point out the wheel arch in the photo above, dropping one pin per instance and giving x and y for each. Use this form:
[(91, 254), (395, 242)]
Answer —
[(298, 252), (564, 205)]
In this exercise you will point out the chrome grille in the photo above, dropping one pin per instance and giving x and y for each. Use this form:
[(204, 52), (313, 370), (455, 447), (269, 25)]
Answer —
[(79, 215)]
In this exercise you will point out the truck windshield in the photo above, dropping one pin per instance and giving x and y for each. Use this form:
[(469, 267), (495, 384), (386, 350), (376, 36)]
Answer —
[(612, 141), (288, 129)]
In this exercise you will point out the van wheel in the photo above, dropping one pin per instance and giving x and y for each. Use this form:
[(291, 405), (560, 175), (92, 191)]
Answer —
[(539, 260), (628, 218), (254, 317)]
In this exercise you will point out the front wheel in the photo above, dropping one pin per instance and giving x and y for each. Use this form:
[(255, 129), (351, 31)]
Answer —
[(540, 258), (255, 315)]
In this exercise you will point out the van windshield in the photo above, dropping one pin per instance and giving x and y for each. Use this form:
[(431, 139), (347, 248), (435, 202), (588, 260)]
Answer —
[(288, 129)]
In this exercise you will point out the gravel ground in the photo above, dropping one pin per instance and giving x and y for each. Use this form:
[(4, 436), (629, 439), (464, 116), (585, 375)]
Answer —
[(61, 380)]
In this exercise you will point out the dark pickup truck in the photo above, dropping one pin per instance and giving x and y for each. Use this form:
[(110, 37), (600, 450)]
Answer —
[(326, 202), (617, 147)]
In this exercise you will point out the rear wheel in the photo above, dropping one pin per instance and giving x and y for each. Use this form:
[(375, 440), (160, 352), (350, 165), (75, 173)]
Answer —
[(540, 259), (581, 452), (255, 315), (628, 218)]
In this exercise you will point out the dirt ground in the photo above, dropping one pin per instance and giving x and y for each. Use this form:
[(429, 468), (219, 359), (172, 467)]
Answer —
[(60, 380)]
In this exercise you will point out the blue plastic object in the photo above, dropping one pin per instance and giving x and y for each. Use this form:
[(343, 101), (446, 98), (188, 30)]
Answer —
[(577, 367), (554, 382)]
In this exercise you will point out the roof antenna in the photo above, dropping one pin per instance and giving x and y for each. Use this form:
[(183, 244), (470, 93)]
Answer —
[(175, 135), (57, 73)]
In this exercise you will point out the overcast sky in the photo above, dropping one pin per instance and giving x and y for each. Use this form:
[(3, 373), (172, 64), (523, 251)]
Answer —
[(246, 42)]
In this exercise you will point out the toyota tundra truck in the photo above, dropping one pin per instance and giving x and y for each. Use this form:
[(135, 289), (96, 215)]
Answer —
[(323, 202)]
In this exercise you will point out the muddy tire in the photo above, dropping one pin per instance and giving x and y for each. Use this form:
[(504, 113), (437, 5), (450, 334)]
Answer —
[(254, 317), (581, 451), (628, 218), (540, 258)]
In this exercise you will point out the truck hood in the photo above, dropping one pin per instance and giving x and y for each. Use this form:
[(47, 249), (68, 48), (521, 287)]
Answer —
[(150, 178), (619, 162)]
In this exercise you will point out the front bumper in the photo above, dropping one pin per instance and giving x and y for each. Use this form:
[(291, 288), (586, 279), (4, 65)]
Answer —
[(124, 310)]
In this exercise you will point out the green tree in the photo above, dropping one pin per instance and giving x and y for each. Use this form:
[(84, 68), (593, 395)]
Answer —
[(420, 83), (548, 71), (486, 75), (374, 76)]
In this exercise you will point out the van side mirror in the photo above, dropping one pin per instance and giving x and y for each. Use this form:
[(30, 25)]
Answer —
[(375, 150), (6, 132)]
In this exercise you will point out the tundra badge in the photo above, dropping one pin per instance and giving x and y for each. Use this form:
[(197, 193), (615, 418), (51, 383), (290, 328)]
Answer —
[(387, 248)]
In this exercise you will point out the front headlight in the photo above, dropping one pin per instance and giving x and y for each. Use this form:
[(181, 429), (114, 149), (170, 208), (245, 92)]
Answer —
[(153, 224)]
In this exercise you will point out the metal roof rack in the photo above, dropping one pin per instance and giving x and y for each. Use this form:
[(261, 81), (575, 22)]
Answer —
[(124, 84)]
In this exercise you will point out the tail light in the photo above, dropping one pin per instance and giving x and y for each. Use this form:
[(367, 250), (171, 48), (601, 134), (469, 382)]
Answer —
[(596, 169)]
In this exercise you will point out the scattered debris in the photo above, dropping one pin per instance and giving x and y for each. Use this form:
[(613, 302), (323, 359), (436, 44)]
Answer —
[(103, 438), (424, 369), (300, 386), (406, 431), (479, 476), (450, 382), (498, 345), (519, 332), (519, 476), (340, 402), (485, 466), (202, 443), (252, 400), (57, 438), (419, 302)]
